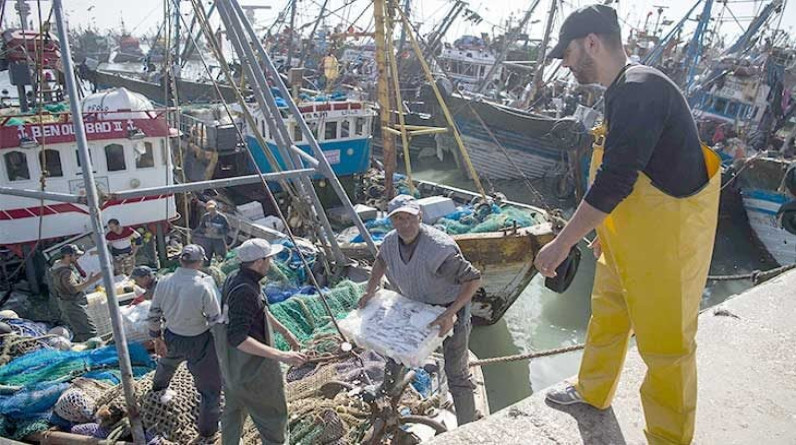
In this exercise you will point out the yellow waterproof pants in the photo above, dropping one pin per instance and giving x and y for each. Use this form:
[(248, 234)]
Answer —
[(649, 280)]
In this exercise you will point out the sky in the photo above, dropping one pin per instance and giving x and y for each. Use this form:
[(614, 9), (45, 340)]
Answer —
[(143, 16)]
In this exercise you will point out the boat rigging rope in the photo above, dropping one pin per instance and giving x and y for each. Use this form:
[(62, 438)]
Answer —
[(269, 192)]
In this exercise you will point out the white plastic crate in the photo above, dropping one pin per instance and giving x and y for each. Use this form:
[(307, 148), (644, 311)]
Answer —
[(98, 305), (251, 210), (396, 327), (435, 207)]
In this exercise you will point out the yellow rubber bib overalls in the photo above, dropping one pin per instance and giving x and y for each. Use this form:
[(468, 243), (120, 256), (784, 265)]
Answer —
[(649, 280)]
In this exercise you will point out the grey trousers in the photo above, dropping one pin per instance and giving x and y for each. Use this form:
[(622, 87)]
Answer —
[(455, 349), (200, 353), (212, 246), (75, 314)]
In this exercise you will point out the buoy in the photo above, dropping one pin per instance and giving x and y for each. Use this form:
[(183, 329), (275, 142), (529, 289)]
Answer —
[(61, 332), (8, 313)]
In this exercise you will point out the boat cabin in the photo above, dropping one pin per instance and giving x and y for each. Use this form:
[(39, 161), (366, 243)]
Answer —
[(128, 143)]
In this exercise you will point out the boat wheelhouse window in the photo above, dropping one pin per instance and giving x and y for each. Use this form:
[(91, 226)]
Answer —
[(51, 163), (144, 155), (313, 128), (331, 131), (114, 156), (297, 136), (359, 126), (732, 109), (719, 105), (345, 128), (77, 156), (17, 166)]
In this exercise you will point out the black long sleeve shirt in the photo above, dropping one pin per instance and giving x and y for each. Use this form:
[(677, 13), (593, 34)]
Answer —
[(246, 307), (650, 130)]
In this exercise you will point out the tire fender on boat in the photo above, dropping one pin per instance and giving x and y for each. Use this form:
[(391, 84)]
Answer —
[(786, 216)]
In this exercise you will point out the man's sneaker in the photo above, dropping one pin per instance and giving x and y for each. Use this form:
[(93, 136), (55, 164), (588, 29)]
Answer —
[(567, 395)]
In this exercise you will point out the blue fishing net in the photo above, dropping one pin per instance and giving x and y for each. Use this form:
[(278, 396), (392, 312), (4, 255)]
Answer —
[(48, 365), (43, 376)]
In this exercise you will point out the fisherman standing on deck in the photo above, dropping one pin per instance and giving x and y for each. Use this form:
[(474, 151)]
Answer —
[(253, 382), (124, 243), (425, 265), (653, 201), (69, 287), (186, 304), (212, 231)]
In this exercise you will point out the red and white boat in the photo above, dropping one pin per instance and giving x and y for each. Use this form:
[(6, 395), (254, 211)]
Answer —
[(129, 144)]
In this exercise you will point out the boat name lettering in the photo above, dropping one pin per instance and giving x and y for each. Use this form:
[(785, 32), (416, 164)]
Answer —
[(51, 130)]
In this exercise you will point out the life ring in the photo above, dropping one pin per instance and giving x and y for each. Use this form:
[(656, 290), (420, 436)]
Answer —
[(565, 272), (786, 215)]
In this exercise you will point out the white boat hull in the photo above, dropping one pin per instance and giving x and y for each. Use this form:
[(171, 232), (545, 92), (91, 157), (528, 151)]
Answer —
[(761, 208)]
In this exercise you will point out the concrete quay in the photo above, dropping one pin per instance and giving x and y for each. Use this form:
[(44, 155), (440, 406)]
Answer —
[(746, 360)]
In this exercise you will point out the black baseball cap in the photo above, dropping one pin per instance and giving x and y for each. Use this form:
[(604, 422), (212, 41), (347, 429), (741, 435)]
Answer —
[(592, 19), (71, 249)]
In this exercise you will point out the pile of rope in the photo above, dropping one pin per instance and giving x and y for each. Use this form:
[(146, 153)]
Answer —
[(25, 336), (174, 421)]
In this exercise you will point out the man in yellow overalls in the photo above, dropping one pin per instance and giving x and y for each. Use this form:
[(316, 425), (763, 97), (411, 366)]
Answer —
[(653, 201)]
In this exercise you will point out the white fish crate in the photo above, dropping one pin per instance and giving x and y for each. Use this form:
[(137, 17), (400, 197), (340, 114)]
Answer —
[(396, 327)]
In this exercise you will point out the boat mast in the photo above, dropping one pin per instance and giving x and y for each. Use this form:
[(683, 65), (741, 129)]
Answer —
[(695, 47), (388, 141), (540, 60), (288, 63), (510, 37), (128, 384)]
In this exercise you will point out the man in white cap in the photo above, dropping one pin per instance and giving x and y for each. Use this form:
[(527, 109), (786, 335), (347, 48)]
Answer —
[(253, 381), (185, 303), (425, 265), (211, 233)]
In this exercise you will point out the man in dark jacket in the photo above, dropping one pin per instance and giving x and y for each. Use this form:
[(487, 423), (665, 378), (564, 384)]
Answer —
[(253, 382)]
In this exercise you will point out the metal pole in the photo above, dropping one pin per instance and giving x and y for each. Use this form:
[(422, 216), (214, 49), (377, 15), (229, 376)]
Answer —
[(537, 77), (323, 163), (212, 184), (402, 40), (388, 140), (38, 194), (93, 206), (267, 102), (292, 31), (23, 9)]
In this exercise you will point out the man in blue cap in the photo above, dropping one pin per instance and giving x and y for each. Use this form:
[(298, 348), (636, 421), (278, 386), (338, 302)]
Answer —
[(425, 265), (145, 278)]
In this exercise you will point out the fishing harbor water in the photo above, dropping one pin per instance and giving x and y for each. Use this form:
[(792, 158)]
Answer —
[(541, 319)]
